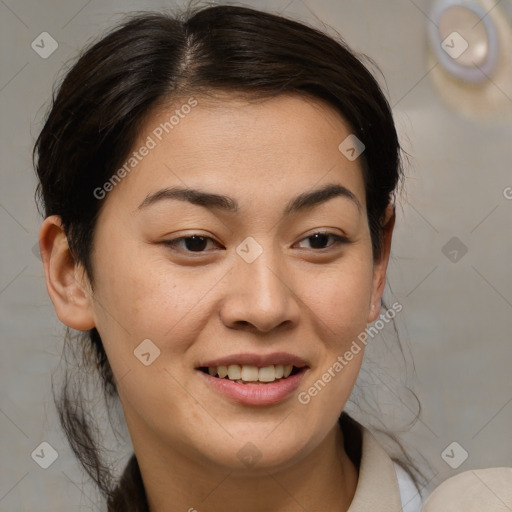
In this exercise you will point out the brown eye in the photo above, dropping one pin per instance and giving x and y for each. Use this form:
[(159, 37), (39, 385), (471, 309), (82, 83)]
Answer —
[(318, 240), (192, 243)]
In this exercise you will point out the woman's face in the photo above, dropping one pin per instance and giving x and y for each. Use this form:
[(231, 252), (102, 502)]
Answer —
[(256, 291)]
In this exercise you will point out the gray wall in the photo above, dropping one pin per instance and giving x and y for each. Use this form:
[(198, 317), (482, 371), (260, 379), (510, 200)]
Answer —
[(457, 316)]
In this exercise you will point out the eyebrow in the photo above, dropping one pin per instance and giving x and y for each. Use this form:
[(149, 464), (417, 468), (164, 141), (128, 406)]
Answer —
[(210, 200)]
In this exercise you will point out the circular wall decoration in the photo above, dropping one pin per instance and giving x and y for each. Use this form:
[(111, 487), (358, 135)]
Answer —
[(464, 39)]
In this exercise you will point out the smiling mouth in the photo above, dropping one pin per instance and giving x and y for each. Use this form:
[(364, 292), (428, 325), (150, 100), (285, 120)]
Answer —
[(247, 374)]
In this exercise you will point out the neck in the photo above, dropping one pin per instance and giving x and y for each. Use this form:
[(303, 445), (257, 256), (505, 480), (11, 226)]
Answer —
[(325, 479)]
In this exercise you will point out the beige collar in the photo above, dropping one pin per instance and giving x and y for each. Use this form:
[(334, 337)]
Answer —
[(377, 486)]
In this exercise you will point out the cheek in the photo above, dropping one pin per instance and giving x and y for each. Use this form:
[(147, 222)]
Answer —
[(141, 300), (134, 288), (339, 305), (340, 297), (149, 298)]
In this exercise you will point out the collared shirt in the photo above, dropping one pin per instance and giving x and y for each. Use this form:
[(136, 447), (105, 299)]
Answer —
[(383, 486)]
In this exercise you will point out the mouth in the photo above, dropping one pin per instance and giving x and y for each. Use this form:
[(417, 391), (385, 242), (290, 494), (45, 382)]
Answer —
[(251, 385), (248, 374)]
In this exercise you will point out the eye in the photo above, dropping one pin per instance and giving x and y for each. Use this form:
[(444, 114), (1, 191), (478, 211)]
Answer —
[(193, 243), (196, 243), (318, 239)]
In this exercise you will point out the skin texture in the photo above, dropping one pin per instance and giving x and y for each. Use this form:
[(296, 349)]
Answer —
[(296, 298)]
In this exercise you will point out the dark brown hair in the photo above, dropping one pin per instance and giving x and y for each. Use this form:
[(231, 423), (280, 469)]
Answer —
[(145, 62)]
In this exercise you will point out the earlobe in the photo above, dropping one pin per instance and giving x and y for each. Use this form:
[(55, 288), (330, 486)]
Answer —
[(381, 264), (68, 288)]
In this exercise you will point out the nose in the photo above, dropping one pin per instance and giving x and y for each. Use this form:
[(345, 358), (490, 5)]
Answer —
[(261, 295)]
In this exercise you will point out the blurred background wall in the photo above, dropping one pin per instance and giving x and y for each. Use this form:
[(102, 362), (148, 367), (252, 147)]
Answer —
[(451, 256)]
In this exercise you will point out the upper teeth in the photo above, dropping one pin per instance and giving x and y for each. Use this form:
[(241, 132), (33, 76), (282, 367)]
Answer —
[(252, 373)]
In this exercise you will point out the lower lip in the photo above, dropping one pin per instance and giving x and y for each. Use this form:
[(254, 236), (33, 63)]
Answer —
[(256, 394)]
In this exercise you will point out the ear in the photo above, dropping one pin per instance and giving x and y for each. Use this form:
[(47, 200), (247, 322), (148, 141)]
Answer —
[(67, 285), (381, 264)]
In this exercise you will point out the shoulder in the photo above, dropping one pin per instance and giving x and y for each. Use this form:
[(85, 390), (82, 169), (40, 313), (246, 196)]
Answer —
[(488, 489)]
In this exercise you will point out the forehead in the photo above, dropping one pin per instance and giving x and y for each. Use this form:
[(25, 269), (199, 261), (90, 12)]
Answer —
[(273, 148)]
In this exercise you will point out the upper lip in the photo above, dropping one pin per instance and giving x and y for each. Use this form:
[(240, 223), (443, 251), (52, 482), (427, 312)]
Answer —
[(259, 360)]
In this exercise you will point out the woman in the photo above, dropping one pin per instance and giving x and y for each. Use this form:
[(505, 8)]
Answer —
[(189, 169)]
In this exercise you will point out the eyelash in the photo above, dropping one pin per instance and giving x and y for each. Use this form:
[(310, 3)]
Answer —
[(338, 240)]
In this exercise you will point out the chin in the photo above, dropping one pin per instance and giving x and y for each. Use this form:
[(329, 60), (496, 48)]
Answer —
[(256, 452)]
